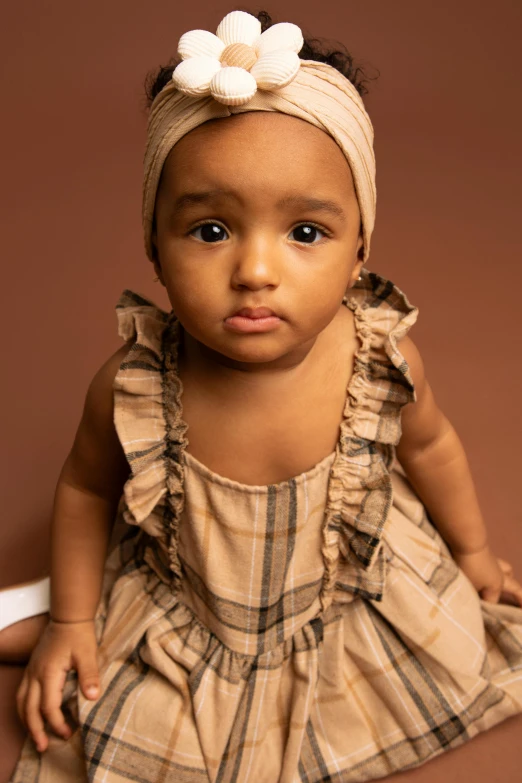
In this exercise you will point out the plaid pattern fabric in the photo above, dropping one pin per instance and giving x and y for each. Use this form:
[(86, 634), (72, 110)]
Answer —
[(313, 630)]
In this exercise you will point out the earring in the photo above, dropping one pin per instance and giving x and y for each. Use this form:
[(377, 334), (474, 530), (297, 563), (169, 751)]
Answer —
[(360, 277), (155, 279)]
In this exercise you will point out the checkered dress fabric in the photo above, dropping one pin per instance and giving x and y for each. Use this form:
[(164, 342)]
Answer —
[(312, 630)]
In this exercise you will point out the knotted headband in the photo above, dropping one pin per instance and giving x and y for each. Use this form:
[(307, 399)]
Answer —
[(241, 69)]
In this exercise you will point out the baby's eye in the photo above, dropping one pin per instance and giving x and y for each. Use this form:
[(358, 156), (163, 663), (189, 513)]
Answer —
[(306, 233), (210, 232)]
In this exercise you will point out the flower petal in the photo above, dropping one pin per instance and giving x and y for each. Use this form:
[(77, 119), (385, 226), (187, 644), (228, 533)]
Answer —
[(275, 69), (193, 76), (200, 42), (283, 35), (239, 27), (233, 86)]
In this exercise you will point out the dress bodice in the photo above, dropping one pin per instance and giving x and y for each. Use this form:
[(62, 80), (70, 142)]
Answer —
[(251, 556), (353, 484)]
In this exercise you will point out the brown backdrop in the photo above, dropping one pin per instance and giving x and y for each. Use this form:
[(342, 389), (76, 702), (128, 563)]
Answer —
[(447, 117)]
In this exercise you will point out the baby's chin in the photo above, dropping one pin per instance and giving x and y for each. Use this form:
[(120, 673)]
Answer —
[(255, 352)]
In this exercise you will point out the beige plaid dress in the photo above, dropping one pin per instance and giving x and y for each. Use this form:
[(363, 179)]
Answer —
[(312, 630)]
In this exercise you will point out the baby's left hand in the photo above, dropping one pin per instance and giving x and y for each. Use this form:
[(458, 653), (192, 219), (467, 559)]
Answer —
[(492, 577)]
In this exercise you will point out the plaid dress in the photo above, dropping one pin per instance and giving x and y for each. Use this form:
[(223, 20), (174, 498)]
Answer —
[(312, 630)]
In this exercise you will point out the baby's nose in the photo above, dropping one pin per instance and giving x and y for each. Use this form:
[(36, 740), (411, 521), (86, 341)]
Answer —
[(257, 266)]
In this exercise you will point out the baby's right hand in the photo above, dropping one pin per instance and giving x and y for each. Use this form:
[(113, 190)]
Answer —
[(62, 646)]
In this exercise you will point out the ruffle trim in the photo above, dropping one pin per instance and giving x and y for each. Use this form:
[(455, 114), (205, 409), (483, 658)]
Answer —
[(177, 442), (138, 413), (148, 419), (360, 489)]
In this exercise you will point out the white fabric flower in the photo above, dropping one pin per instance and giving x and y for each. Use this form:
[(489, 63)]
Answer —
[(233, 64)]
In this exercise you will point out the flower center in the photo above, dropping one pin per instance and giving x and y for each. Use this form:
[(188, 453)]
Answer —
[(238, 54)]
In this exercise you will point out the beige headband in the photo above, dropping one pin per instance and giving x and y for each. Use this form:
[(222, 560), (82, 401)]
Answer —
[(317, 93)]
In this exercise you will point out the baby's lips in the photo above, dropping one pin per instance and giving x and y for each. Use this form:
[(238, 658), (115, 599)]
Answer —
[(254, 312)]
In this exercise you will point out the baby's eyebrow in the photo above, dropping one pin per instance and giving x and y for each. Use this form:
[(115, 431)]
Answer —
[(296, 200), (312, 204)]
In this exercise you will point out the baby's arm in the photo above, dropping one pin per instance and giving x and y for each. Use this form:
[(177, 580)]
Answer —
[(434, 459), (86, 499), (435, 462), (85, 505)]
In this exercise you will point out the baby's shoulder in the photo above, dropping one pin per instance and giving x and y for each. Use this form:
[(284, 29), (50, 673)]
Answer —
[(96, 461), (99, 402), (413, 358), (103, 379)]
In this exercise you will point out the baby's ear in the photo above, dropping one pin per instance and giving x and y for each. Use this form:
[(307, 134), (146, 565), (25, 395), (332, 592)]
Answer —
[(155, 256), (360, 247), (154, 248), (356, 271)]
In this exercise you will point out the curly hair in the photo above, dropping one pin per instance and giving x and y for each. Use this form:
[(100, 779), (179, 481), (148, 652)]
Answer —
[(334, 54)]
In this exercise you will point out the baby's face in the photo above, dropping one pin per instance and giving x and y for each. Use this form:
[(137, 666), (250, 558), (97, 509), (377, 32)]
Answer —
[(257, 210)]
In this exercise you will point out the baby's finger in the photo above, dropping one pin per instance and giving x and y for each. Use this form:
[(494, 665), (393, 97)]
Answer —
[(490, 594), (21, 695), (33, 717), (52, 688), (506, 567), (88, 676), (512, 589)]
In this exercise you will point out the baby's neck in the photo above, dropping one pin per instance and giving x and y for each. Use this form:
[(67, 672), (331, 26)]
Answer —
[(205, 360), (304, 365)]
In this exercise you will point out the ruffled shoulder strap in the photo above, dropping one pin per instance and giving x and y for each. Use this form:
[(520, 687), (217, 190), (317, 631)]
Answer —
[(381, 383), (360, 489), (138, 316), (138, 412), (147, 417)]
